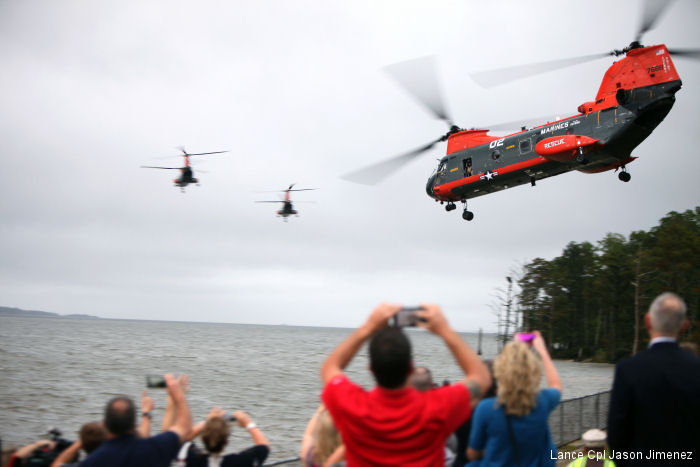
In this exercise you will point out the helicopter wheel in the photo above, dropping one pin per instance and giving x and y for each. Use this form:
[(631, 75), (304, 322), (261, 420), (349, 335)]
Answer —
[(450, 207), (624, 176), (466, 214)]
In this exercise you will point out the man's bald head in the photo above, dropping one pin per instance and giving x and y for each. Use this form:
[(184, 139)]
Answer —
[(120, 416), (667, 314)]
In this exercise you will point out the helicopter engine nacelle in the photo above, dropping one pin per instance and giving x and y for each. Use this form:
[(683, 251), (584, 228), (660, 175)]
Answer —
[(563, 148)]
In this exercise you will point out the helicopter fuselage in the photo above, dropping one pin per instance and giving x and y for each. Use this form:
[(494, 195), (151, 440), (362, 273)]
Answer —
[(185, 178), (636, 95), (287, 210)]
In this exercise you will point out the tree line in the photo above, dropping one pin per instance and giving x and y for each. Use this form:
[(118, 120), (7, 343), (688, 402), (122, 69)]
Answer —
[(589, 301)]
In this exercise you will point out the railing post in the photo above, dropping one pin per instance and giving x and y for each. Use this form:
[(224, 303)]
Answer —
[(580, 416)]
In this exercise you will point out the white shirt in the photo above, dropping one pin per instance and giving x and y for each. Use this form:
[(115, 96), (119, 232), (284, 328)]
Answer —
[(659, 340)]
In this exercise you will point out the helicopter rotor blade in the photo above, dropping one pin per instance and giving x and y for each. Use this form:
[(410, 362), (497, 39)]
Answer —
[(497, 77), (278, 201), (528, 122), (653, 10), (204, 153), (686, 53), (302, 189), (418, 77), (155, 167), (375, 173)]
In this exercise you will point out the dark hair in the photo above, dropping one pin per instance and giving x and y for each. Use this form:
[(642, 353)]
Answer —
[(120, 416), (215, 434), (390, 357), (91, 436), (494, 383)]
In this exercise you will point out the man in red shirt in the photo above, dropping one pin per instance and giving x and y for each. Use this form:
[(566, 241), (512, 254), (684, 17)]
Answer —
[(394, 424)]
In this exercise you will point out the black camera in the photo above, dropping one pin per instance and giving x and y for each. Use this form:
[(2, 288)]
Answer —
[(155, 381), (406, 317), (43, 457)]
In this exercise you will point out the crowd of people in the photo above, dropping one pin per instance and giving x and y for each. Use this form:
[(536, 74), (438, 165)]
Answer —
[(496, 415)]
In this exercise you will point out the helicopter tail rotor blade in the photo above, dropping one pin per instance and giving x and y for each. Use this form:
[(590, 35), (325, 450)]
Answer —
[(686, 53), (497, 77), (419, 78), (375, 173), (653, 10)]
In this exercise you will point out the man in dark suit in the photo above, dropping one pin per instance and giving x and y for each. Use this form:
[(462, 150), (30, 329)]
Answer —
[(654, 416)]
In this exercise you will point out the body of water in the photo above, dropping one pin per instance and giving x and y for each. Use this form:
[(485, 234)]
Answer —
[(59, 372)]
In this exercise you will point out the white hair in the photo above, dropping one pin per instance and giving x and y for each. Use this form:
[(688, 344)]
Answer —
[(667, 314)]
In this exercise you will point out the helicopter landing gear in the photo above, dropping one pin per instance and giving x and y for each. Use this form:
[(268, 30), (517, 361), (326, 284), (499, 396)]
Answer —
[(624, 175), (466, 214), (450, 207), (581, 157)]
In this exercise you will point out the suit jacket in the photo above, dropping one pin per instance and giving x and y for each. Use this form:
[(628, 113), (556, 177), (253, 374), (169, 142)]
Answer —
[(655, 404)]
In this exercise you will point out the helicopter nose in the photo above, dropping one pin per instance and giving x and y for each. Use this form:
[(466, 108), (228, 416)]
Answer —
[(429, 187)]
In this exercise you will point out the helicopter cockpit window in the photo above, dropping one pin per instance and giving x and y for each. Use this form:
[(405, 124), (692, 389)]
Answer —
[(440, 175), (524, 146)]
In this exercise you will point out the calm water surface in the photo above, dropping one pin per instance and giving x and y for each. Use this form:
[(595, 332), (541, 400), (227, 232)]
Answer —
[(60, 372)]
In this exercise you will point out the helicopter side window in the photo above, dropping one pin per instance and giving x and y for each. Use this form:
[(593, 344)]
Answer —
[(524, 146), (467, 166)]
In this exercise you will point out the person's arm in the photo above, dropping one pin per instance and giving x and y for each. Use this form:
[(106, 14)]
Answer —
[(620, 413), (473, 454), (67, 455), (25, 451), (170, 412), (308, 439), (337, 456), (478, 433), (550, 372), (183, 417), (344, 353), (146, 414), (477, 378), (256, 433)]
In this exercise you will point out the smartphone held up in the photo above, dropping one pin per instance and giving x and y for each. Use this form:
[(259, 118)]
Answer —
[(406, 317)]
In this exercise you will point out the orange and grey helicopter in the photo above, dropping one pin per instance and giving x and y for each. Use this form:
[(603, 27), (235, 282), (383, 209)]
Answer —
[(187, 175), (636, 94), (288, 208)]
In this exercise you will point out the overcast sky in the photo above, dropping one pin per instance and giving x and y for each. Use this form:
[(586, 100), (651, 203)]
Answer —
[(90, 91)]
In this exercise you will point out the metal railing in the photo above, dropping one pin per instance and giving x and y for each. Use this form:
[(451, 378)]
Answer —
[(574, 416)]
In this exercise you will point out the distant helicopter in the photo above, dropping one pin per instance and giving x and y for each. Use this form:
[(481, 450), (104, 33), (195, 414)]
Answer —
[(187, 175), (636, 94), (288, 208)]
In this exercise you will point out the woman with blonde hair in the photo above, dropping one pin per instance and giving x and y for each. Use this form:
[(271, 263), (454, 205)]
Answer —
[(511, 428), (322, 445)]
